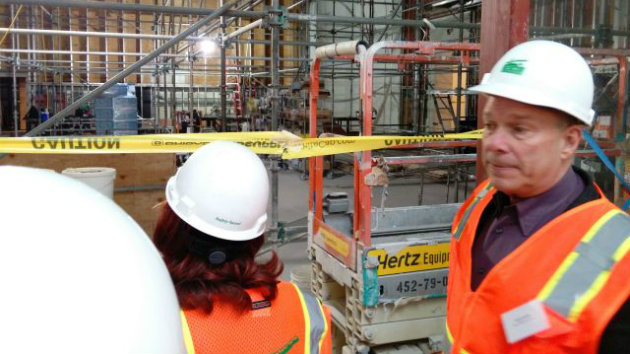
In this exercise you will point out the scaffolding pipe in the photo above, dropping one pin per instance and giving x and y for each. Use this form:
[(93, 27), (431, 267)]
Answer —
[(252, 25), (275, 113), (132, 68), (237, 13), (289, 16), (223, 78), (339, 49), (71, 60), (242, 30), (190, 77), (13, 70), (173, 10), (126, 54), (48, 32)]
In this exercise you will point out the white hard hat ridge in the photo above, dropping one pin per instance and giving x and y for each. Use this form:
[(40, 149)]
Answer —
[(78, 274), (222, 190), (543, 73)]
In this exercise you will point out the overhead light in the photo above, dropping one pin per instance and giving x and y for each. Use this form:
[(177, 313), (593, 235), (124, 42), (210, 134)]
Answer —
[(208, 47)]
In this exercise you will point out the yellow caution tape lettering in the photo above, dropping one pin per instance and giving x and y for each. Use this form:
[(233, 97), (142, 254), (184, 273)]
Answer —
[(283, 143)]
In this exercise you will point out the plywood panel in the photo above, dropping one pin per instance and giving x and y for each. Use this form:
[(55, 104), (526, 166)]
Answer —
[(131, 169), (142, 207)]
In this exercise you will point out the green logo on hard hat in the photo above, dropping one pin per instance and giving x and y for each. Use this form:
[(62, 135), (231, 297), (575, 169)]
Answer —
[(514, 67)]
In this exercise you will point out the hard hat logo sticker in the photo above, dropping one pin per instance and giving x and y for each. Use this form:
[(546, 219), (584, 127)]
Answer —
[(514, 67), (225, 221)]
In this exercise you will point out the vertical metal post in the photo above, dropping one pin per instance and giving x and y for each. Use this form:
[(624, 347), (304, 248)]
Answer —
[(190, 86), (106, 46), (71, 59), (87, 50), (458, 104), (31, 73), (190, 68), (13, 70), (155, 80), (165, 100), (332, 81), (275, 110), (223, 87), (205, 82), (173, 94)]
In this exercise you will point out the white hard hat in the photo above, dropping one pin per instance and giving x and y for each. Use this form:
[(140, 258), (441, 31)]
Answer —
[(222, 190), (78, 274), (543, 73)]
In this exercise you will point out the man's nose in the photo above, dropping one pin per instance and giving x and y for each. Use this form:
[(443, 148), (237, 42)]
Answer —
[(496, 141)]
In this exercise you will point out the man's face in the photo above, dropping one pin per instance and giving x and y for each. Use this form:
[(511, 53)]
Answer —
[(526, 149)]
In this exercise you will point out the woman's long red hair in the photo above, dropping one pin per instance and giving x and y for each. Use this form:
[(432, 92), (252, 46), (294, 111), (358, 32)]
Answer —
[(199, 284)]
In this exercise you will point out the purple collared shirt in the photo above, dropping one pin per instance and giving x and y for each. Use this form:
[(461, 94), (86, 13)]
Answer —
[(514, 223)]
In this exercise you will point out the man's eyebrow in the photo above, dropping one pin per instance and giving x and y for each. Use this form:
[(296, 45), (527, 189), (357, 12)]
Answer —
[(516, 115), (519, 115)]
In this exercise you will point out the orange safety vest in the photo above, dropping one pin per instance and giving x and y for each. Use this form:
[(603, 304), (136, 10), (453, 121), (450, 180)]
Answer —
[(577, 266), (293, 322)]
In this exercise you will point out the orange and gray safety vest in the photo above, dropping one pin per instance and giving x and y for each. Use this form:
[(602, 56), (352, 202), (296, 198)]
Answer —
[(294, 322), (574, 270)]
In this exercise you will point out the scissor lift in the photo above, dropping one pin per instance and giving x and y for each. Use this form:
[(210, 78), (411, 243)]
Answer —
[(383, 272)]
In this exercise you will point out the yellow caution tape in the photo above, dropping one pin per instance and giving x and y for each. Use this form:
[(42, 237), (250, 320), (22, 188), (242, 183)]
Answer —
[(283, 143), (338, 145), (259, 142)]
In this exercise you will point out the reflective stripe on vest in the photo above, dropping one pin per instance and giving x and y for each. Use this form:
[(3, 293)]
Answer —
[(314, 322), (449, 345), (471, 207), (188, 342), (586, 269)]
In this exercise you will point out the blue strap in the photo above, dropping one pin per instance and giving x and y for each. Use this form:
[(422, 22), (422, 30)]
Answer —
[(589, 139)]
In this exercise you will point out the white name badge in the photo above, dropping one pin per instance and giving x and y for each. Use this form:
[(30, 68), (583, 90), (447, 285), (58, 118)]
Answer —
[(524, 321)]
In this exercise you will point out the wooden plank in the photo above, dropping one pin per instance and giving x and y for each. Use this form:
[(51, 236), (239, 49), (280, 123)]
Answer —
[(142, 206), (131, 169)]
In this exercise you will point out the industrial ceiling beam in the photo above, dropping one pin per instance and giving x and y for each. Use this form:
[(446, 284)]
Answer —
[(235, 13), (173, 10)]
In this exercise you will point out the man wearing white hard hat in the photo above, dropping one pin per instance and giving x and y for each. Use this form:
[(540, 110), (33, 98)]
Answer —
[(540, 258), (78, 274)]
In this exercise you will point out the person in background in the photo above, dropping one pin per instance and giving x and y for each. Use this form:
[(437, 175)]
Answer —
[(32, 116), (209, 232), (185, 122), (78, 274), (196, 121), (540, 259)]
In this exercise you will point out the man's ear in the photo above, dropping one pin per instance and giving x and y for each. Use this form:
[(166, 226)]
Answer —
[(571, 140)]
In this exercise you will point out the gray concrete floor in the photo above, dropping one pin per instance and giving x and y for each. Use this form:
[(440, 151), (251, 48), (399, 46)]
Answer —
[(293, 204)]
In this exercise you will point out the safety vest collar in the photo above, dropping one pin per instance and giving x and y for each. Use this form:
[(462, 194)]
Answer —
[(486, 190)]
